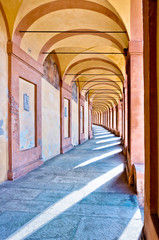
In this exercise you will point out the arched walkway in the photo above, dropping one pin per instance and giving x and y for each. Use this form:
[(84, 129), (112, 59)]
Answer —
[(66, 65), (82, 194)]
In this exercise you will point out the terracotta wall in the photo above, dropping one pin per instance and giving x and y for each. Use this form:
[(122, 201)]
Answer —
[(50, 120), (3, 101), (22, 66)]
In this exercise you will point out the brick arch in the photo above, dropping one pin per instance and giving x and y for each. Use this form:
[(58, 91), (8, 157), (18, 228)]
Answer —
[(103, 107), (62, 36), (111, 99), (47, 8), (107, 103), (116, 85), (91, 59), (102, 92)]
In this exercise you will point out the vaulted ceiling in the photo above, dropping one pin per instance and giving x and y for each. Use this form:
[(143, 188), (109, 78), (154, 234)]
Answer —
[(91, 34)]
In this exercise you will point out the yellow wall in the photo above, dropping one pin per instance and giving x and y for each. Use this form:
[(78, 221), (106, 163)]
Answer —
[(50, 120), (3, 102), (86, 119), (75, 131), (27, 118)]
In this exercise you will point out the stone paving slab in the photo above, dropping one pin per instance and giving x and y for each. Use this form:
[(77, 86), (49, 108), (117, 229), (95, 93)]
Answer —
[(24, 206), (102, 210), (112, 199), (19, 193), (12, 221), (59, 187), (65, 225), (101, 229)]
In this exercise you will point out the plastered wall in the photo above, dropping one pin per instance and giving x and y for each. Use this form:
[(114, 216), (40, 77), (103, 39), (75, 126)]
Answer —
[(75, 123), (27, 114), (86, 119), (50, 120), (3, 101)]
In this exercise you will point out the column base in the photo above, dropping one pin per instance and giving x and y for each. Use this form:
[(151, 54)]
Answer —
[(90, 136), (135, 177), (139, 182), (65, 149), (82, 140), (125, 151), (117, 133), (21, 171)]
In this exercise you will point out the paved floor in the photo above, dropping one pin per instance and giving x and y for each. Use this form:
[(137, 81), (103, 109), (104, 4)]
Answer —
[(80, 195)]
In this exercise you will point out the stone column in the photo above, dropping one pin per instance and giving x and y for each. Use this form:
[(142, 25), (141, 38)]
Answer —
[(107, 118), (81, 104), (123, 118), (125, 114), (101, 118), (119, 127), (114, 117), (104, 118), (137, 102), (90, 120), (136, 80), (110, 117)]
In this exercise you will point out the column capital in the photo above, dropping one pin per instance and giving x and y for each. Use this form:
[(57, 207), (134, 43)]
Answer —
[(66, 87), (81, 97), (135, 47), (120, 104), (114, 107), (126, 81)]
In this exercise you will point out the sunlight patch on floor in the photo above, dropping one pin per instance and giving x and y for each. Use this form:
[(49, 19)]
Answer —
[(95, 159), (105, 136), (134, 228), (106, 146), (108, 140), (102, 133), (64, 204)]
